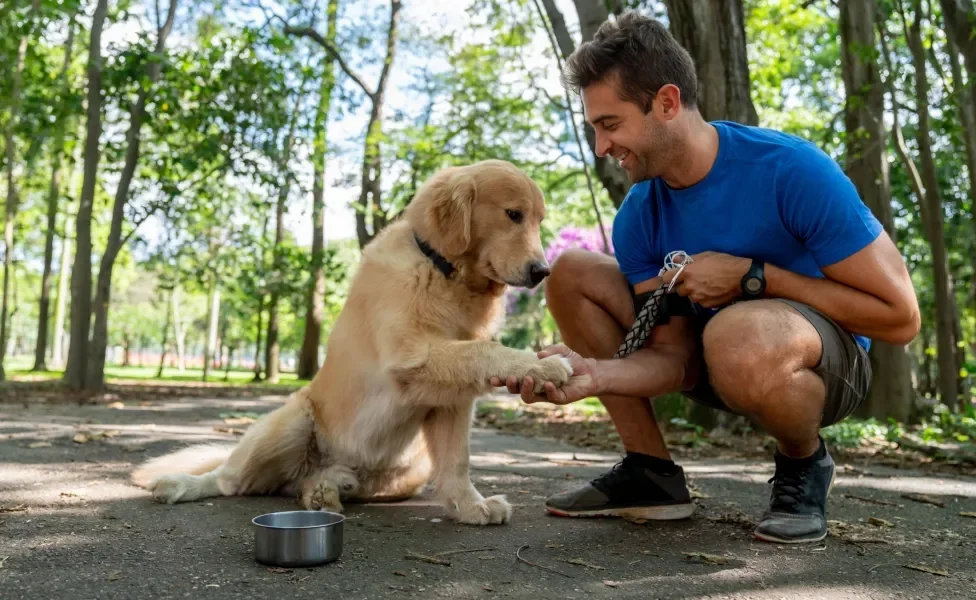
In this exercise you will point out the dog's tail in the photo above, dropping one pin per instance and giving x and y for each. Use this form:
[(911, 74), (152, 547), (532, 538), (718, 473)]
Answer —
[(194, 460)]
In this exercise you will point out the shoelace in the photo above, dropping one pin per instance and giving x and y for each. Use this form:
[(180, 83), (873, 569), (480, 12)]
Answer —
[(788, 488)]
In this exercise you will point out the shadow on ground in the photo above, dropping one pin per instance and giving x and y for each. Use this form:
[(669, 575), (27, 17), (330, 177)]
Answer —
[(72, 526)]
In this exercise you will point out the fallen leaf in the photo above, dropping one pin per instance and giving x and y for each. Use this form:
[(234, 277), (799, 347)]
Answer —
[(880, 522), (80, 438), (115, 576), (487, 588), (278, 570), (115, 405), (708, 559), (583, 563), (233, 430), (10, 509), (399, 573), (553, 546), (928, 569), (40, 445), (971, 515), (611, 584), (69, 494)]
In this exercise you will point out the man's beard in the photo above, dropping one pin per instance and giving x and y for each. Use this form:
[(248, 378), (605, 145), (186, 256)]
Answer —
[(649, 160)]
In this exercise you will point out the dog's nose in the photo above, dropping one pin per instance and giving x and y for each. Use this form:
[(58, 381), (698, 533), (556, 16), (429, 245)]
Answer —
[(538, 272)]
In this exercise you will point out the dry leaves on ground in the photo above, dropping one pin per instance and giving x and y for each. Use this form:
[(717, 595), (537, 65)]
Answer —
[(928, 569), (708, 559)]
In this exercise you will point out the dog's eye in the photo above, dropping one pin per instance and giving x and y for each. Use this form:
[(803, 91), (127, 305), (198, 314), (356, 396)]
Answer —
[(514, 215)]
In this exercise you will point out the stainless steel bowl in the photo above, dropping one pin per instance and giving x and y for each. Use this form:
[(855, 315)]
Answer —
[(299, 538)]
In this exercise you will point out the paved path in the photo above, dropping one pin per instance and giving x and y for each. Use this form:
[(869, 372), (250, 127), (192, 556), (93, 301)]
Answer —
[(71, 526)]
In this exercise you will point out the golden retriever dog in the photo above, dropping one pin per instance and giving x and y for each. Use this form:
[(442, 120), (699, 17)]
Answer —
[(391, 408)]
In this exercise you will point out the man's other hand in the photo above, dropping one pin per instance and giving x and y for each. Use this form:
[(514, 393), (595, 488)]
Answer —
[(712, 280), (581, 385)]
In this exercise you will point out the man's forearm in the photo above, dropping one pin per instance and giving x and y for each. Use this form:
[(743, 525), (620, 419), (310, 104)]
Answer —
[(647, 373), (854, 310)]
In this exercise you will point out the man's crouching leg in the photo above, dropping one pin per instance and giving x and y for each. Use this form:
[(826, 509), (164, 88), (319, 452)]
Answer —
[(591, 302), (793, 371)]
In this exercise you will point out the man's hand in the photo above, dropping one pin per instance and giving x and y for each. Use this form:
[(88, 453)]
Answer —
[(713, 279), (580, 385)]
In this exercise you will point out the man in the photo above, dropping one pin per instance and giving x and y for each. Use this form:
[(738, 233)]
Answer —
[(791, 279)]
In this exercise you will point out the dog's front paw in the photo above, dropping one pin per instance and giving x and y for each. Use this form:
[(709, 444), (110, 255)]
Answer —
[(321, 496), (556, 369), (493, 510)]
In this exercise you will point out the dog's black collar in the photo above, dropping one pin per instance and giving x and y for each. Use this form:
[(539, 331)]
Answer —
[(443, 265)]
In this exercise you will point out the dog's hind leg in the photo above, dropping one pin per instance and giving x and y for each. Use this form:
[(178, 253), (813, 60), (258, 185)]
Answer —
[(447, 431), (275, 451)]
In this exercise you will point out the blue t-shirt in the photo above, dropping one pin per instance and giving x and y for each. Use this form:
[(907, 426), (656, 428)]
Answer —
[(769, 195)]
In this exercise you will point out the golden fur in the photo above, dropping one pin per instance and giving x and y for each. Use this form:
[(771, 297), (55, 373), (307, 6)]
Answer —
[(390, 410)]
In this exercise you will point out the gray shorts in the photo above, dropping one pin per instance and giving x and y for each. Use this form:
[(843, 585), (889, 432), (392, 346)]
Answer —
[(844, 367)]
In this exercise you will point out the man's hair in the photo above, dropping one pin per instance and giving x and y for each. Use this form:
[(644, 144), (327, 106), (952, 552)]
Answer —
[(643, 55)]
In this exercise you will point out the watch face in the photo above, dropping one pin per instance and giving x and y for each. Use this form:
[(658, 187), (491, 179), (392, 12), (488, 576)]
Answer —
[(753, 285)]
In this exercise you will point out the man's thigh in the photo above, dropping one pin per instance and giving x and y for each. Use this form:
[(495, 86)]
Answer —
[(844, 367)]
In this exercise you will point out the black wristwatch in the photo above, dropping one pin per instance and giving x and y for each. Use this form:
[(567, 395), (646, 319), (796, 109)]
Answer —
[(754, 281)]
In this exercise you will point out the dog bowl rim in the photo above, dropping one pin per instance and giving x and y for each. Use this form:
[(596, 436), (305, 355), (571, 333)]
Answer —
[(340, 519)]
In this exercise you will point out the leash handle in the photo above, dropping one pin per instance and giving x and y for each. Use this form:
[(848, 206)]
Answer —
[(645, 321)]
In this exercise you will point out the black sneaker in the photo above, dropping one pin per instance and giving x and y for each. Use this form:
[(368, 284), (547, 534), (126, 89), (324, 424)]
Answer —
[(798, 501), (632, 490)]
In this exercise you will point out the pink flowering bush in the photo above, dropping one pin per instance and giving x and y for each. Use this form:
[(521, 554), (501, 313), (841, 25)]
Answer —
[(568, 237)]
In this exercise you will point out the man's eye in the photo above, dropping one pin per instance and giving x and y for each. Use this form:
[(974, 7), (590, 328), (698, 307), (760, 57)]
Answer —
[(514, 215)]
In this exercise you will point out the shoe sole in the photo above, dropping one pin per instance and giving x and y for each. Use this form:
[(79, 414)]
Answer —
[(765, 537), (671, 512)]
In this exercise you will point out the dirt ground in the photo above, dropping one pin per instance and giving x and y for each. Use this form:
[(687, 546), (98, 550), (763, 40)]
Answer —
[(72, 526)]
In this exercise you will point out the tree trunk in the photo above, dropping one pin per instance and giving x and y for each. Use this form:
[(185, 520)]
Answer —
[(308, 361), (212, 312), (13, 199), (713, 31), (81, 280), (54, 194), (96, 367), (926, 189), (179, 332), (964, 99), (960, 19), (57, 354), (273, 349), (592, 14), (867, 166), (165, 344), (230, 359), (370, 196)]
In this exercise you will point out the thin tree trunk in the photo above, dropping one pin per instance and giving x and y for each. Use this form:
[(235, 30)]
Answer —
[(308, 361), (867, 166), (165, 344), (592, 14), (273, 349), (230, 359), (81, 279), (57, 354), (370, 209), (13, 196), (960, 21), (54, 193), (211, 334), (926, 189), (179, 332), (572, 121), (96, 367)]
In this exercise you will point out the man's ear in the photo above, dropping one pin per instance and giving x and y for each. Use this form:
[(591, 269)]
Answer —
[(452, 214)]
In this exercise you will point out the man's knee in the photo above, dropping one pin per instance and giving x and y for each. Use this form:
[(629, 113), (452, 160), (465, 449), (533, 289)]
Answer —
[(752, 349), (569, 274)]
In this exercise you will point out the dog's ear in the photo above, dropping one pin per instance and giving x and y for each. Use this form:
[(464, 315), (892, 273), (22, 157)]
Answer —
[(452, 213)]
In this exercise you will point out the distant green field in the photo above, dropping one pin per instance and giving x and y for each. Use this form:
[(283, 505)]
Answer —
[(18, 369)]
